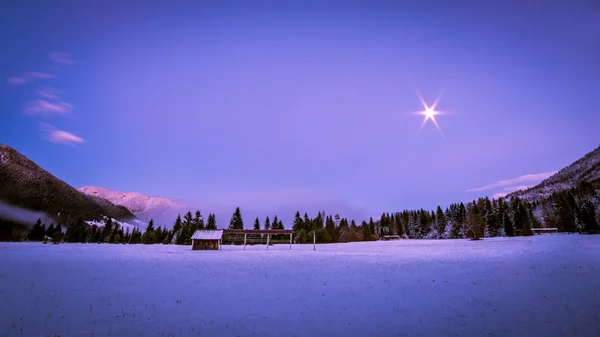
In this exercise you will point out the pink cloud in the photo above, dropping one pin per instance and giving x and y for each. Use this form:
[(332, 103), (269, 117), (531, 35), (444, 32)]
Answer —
[(60, 57), (55, 135), (31, 76), (39, 75), (49, 93), (43, 107), (514, 181), (16, 80), (508, 190)]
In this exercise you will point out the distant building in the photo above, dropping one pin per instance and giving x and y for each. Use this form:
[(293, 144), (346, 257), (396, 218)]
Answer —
[(207, 239), (204, 239)]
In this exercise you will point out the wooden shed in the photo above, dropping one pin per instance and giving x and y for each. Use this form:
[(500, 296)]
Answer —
[(207, 239)]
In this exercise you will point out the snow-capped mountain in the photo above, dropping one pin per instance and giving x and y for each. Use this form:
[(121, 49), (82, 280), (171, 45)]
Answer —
[(586, 169), (142, 206)]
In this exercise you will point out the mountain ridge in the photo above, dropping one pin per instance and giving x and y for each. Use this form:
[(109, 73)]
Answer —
[(141, 205), (584, 170), (25, 184)]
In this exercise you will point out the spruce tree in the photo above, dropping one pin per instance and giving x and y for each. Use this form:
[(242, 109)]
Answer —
[(212, 222), (185, 233), (198, 220), (149, 236), (236, 220), (308, 223), (298, 224), (267, 225), (256, 224), (440, 220), (175, 230), (366, 231)]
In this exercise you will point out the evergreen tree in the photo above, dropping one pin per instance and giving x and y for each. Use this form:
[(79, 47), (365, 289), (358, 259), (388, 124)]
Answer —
[(440, 225), (236, 220), (107, 230), (185, 233), (212, 222), (475, 222), (198, 221), (37, 232), (366, 231), (275, 223), (256, 224), (149, 236), (267, 223), (309, 225), (176, 229), (298, 224)]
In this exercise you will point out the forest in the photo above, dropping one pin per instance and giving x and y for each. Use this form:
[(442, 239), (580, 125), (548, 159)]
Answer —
[(572, 210)]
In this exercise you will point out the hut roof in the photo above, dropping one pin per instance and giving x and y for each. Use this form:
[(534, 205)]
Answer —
[(204, 234)]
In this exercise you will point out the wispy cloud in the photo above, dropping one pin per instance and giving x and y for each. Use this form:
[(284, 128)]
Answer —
[(55, 135), (44, 107), (29, 77), (60, 57), (519, 180), (49, 93), (508, 190)]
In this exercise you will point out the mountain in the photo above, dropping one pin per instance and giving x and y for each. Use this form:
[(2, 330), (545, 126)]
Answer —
[(584, 170), (26, 185), (142, 206)]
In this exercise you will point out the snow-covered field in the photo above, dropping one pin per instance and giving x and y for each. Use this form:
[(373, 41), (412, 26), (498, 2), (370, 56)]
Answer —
[(545, 285)]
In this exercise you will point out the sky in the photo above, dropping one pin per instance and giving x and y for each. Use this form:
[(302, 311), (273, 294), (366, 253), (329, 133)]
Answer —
[(301, 105)]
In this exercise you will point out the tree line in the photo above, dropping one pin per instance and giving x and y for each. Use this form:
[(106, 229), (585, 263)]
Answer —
[(570, 210)]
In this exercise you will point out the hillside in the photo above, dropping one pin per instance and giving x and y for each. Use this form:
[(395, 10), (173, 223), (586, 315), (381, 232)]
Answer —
[(586, 169), (24, 184), (142, 206)]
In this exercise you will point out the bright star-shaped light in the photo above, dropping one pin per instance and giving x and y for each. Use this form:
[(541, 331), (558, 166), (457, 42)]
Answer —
[(430, 113)]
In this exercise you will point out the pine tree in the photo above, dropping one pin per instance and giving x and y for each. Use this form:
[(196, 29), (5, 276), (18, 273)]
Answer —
[(236, 220), (475, 222), (298, 224), (440, 224), (198, 221), (275, 223), (107, 230), (175, 230), (309, 226), (37, 232), (267, 225), (212, 222), (185, 233), (366, 231), (149, 236)]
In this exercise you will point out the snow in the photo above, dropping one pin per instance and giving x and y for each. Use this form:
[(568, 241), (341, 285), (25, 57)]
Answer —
[(140, 225), (546, 285)]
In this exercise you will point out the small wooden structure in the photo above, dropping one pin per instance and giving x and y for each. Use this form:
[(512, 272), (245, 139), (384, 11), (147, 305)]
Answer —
[(269, 232), (207, 239), (544, 230)]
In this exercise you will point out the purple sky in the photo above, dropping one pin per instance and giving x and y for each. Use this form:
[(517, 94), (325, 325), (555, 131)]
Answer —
[(301, 105)]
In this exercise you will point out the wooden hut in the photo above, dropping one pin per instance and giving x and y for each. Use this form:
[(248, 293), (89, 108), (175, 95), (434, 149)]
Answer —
[(207, 239)]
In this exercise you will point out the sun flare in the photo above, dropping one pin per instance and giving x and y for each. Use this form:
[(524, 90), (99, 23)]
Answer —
[(430, 112)]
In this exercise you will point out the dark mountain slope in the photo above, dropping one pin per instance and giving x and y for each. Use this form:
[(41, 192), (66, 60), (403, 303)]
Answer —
[(23, 183), (584, 170)]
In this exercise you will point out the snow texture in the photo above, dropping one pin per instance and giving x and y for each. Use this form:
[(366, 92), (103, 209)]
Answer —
[(547, 285)]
